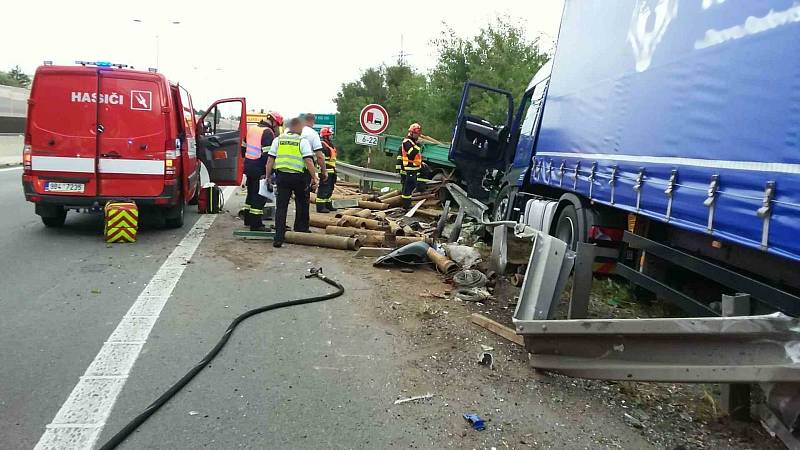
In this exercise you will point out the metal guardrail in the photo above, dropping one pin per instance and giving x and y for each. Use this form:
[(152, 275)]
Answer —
[(365, 174)]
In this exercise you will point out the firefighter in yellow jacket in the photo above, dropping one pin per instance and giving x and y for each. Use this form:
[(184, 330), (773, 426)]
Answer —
[(411, 156), (326, 185)]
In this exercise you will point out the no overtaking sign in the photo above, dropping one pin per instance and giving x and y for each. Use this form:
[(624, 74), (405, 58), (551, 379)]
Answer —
[(374, 119)]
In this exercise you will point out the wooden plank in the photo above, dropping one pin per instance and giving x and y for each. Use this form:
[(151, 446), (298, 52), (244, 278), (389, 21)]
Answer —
[(372, 252), (414, 209), (498, 329)]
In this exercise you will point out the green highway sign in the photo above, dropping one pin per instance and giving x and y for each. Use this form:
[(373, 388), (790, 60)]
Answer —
[(325, 120)]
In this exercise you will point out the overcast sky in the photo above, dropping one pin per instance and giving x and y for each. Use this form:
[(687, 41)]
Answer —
[(290, 56)]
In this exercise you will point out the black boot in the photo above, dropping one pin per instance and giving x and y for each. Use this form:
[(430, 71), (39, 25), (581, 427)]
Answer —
[(246, 217), (322, 208), (255, 222), (329, 205)]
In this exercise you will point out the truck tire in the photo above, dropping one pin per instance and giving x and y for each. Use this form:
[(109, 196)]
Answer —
[(53, 216), (566, 227), (174, 217), (502, 207)]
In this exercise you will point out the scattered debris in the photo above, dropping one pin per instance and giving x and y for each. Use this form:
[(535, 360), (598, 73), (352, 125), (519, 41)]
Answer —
[(486, 348), (486, 359), (413, 399), (474, 420), (465, 256), (469, 278), (193, 413)]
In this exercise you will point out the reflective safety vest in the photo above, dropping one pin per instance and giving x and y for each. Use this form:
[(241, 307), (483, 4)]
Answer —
[(416, 162), (330, 158), (289, 158), (253, 142)]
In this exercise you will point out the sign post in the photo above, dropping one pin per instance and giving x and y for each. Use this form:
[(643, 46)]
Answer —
[(374, 120)]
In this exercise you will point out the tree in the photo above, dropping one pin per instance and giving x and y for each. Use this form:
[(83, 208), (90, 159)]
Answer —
[(499, 55), (16, 77)]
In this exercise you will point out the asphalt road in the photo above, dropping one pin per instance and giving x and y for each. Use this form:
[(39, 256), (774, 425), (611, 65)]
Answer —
[(317, 376)]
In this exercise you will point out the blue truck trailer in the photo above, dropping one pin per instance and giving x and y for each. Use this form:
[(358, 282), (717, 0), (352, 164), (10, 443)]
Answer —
[(671, 125)]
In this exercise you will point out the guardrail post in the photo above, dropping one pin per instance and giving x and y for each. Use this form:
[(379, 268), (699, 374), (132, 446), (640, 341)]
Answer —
[(581, 281), (735, 398)]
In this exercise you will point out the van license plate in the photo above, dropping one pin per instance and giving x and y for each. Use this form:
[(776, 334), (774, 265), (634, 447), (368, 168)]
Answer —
[(63, 187)]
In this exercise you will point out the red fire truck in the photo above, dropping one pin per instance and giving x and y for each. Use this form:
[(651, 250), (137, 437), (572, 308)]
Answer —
[(100, 131)]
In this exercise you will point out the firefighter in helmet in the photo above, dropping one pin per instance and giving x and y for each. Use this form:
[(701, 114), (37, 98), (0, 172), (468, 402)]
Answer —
[(411, 159), (258, 141), (326, 185)]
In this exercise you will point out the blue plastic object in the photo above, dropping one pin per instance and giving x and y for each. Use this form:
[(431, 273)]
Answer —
[(474, 420)]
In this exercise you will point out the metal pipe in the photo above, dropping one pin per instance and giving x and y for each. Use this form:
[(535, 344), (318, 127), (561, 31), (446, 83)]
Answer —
[(372, 205), (361, 222), (444, 264), (323, 240), (324, 220), (350, 231), (388, 195)]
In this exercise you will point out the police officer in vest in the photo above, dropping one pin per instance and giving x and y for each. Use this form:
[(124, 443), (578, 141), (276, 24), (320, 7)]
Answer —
[(411, 156), (259, 139), (292, 158), (326, 185)]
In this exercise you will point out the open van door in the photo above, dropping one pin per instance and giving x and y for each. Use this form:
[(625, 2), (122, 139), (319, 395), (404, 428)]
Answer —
[(480, 137), (220, 131)]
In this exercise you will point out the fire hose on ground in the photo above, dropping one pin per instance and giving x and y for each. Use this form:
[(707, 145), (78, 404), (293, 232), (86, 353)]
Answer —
[(166, 396)]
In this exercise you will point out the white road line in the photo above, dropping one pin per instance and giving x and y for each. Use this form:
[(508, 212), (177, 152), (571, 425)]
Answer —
[(8, 169), (81, 419)]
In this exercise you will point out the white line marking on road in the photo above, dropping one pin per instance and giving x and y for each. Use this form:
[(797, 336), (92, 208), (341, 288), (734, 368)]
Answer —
[(81, 419), (8, 169)]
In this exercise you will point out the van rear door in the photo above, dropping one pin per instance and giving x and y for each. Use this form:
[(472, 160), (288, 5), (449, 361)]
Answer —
[(219, 140), (132, 133), (62, 125)]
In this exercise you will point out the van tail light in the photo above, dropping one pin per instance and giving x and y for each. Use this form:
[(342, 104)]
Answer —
[(26, 158), (170, 159)]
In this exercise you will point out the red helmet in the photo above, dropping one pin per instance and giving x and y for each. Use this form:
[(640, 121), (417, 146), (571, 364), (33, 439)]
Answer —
[(326, 132), (415, 128), (276, 117)]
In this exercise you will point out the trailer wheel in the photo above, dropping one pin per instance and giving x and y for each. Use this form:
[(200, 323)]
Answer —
[(566, 227)]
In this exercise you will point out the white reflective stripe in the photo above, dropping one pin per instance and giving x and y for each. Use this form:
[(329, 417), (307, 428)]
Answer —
[(132, 166), (676, 161), (62, 164)]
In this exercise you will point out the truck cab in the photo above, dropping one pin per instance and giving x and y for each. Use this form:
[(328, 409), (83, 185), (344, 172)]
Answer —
[(492, 147), (100, 131)]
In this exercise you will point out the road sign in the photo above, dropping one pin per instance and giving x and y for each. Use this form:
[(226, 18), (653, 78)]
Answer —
[(374, 119), (325, 120), (366, 139)]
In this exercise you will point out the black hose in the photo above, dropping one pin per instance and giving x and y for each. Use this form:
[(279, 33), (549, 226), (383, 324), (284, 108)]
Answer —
[(166, 396)]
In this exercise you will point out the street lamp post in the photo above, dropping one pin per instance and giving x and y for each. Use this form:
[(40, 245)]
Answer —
[(158, 39)]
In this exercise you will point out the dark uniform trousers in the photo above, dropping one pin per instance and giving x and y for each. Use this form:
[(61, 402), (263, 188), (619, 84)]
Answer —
[(325, 189), (254, 201), (409, 184), (291, 183)]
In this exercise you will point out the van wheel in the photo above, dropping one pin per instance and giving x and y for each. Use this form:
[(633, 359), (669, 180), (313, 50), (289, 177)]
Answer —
[(195, 197), (55, 221), (173, 217), (53, 216), (567, 227)]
